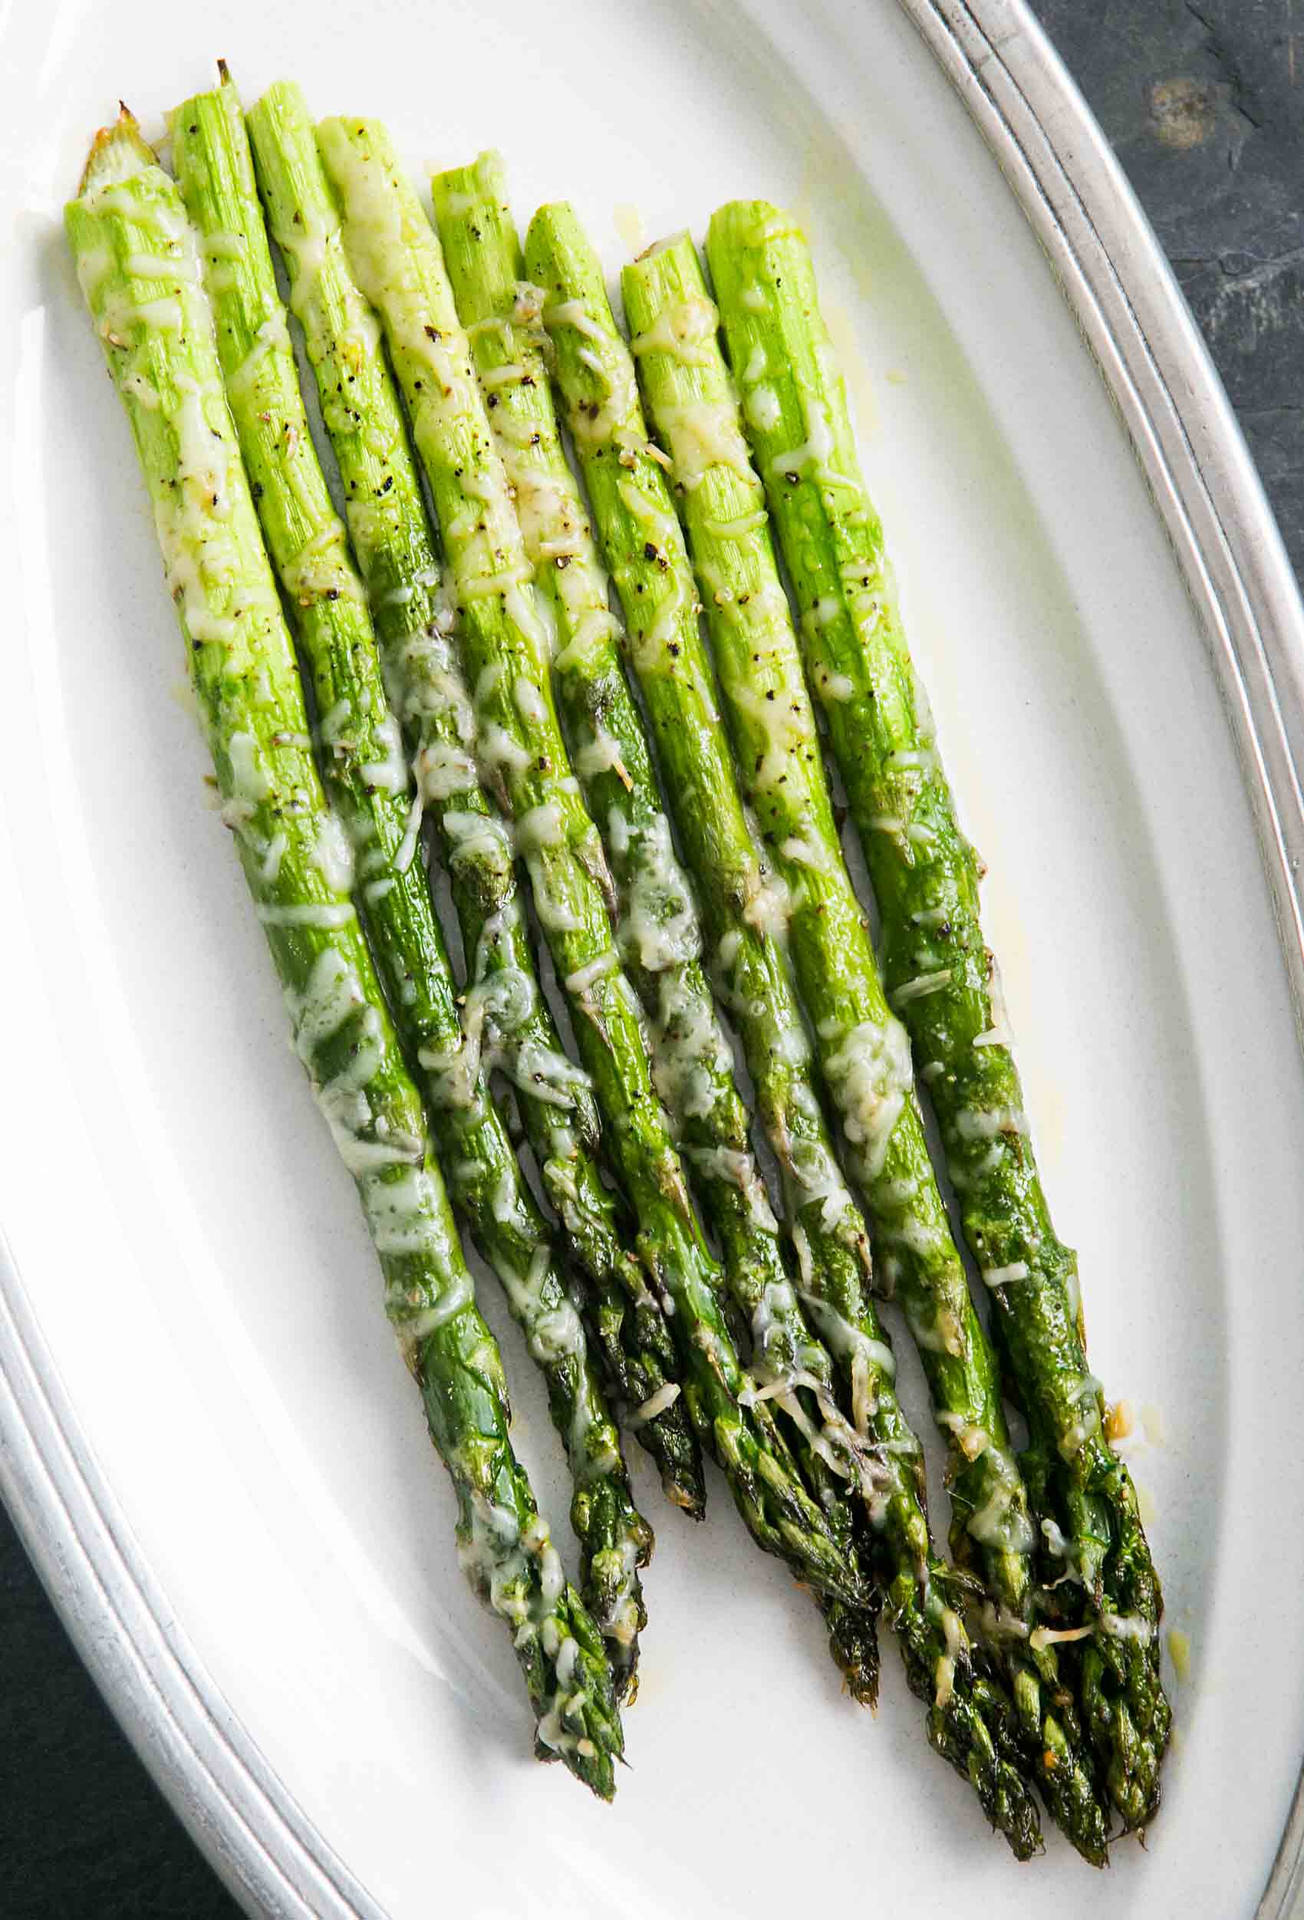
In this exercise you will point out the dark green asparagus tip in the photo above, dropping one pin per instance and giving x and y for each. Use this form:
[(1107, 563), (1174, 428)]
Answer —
[(669, 1436), (973, 1731), (1072, 1801), (597, 1771), (673, 1444), (604, 1511), (1004, 1797), (1034, 1728), (1130, 1720), (853, 1642), (684, 1486), (582, 1726), (1064, 1769), (969, 1718), (1028, 1702), (1127, 1715)]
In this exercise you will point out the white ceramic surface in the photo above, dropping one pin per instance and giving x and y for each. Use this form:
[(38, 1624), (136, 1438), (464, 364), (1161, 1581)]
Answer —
[(192, 1257)]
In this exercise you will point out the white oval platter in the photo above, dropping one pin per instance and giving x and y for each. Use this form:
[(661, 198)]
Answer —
[(206, 1435)]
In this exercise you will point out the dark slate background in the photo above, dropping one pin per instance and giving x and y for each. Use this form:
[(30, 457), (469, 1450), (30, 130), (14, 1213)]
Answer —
[(1201, 101)]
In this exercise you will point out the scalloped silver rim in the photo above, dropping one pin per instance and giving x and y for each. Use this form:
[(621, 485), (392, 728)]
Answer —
[(1136, 322)]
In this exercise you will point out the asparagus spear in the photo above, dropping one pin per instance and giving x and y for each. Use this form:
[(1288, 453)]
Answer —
[(367, 781), (505, 1013), (140, 273), (658, 930), (635, 518), (939, 973), (863, 1050), (397, 260)]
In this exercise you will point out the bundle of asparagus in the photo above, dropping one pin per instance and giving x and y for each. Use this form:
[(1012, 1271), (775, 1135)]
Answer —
[(862, 1048), (139, 269), (635, 515), (505, 1013), (399, 266), (367, 782), (658, 924), (940, 975), (467, 672)]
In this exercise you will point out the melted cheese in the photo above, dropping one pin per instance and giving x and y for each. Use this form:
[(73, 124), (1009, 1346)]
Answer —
[(585, 977), (692, 1066), (443, 769), (815, 450), (539, 827), (686, 330), (658, 924), (703, 434), (612, 367), (332, 853), (736, 1169), (761, 405), (1004, 1276), (871, 1078), (478, 836), (388, 774), (311, 914), (499, 749), (660, 1402)]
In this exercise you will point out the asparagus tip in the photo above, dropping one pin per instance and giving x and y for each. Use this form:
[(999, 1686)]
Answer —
[(685, 1488), (116, 152), (662, 246), (492, 172)]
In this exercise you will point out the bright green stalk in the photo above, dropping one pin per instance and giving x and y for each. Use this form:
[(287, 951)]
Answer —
[(863, 1050), (635, 517), (138, 267), (940, 975), (504, 1011), (396, 258), (658, 931)]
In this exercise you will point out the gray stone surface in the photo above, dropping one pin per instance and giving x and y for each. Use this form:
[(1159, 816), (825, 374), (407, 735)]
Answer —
[(84, 1834), (1203, 104)]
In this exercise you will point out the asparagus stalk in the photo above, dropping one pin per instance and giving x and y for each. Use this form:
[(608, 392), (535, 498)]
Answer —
[(863, 1050), (658, 929), (635, 518), (397, 260), (505, 1014), (939, 973), (140, 273)]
